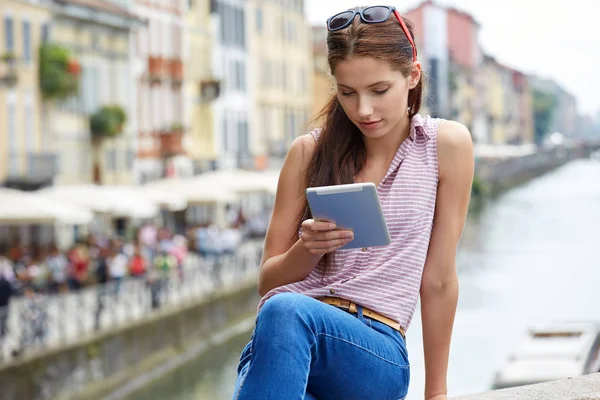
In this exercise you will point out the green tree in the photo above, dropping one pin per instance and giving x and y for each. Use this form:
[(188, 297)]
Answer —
[(107, 122), (543, 104)]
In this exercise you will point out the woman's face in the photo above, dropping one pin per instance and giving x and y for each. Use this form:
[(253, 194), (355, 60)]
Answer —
[(373, 95)]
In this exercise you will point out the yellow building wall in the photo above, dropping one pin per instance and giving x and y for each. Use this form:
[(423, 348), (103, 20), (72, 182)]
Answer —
[(495, 104), (528, 131), (322, 89), (26, 91), (323, 86), (281, 48), (201, 146), (72, 129)]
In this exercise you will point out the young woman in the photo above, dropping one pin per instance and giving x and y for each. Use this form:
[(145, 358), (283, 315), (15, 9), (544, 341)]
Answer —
[(332, 323)]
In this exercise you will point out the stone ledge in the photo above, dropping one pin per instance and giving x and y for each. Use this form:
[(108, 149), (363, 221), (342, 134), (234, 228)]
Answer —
[(580, 388)]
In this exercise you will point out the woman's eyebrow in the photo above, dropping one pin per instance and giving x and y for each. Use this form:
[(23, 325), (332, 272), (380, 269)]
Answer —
[(368, 87)]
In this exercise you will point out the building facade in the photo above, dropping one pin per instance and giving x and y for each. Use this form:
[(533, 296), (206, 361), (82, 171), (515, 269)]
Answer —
[(494, 106), (160, 55), (323, 87), (448, 44), (201, 87), (524, 109), (282, 74), (232, 111), (431, 38), (98, 34), (27, 157)]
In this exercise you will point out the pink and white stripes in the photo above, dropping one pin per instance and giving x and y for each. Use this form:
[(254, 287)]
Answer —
[(387, 279)]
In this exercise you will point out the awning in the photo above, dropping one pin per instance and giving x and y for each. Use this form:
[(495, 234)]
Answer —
[(193, 192), (115, 200), (17, 207)]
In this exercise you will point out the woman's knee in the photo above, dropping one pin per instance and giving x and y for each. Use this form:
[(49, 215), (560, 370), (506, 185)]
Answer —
[(285, 308)]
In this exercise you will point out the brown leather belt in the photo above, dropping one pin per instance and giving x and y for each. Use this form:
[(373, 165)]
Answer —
[(351, 308)]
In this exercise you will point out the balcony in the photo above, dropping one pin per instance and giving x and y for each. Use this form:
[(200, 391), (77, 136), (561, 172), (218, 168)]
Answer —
[(171, 143), (31, 170)]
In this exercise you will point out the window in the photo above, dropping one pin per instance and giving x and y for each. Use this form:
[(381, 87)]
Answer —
[(284, 82), (243, 145), (259, 20), (235, 71), (225, 134), (27, 42), (242, 73), (130, 159), (214, 6), (45, 32), (111, 160), (9, 34), (88, 92), (29, 121), (224, 22), (242, 28), (13, 165)]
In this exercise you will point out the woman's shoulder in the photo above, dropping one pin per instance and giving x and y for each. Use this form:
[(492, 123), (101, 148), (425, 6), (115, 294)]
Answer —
[(454, 144), (453, 134), (303, 146)]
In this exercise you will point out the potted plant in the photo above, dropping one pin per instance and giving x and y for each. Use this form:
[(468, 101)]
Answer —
[(8, 57), (55, 79), (177, 127)]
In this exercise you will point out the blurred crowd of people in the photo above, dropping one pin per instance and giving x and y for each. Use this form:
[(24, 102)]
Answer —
[(93, 260), (152, 253)]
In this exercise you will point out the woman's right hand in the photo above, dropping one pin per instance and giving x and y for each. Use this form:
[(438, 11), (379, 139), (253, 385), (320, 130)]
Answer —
[(322, 237)]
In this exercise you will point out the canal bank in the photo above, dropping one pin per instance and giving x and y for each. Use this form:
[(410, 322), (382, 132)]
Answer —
[(495, 175), (96, 366)]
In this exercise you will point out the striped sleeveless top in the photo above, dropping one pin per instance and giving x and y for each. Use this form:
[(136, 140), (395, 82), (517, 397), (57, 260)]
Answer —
[(387, 279)]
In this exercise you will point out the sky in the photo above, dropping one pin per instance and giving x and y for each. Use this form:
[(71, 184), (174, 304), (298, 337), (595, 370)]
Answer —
[(555, 39)]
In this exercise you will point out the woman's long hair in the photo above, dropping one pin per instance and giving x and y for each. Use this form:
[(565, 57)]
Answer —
[(340, 152)]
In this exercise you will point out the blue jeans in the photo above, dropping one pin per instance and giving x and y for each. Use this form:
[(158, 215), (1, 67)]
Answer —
[(304, 349)]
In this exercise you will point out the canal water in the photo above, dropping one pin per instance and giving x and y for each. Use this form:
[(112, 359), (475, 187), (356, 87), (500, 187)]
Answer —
[(528, 256)]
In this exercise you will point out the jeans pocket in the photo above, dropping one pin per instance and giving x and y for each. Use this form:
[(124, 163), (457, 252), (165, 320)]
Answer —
[(245, 356)]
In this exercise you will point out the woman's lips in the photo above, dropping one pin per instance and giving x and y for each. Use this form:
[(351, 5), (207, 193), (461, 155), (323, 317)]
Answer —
[(370, 125)]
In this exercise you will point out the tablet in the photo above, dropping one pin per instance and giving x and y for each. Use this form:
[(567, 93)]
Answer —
[(353, 206)]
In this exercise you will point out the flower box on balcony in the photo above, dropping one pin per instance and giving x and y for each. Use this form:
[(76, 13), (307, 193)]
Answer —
[(176, 71), (171, 142)]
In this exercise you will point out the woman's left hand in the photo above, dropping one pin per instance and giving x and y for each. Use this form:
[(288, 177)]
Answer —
[(437, 397)]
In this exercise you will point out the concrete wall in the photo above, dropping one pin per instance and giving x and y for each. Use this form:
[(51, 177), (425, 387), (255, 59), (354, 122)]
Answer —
[(496, 175), (99, 364), (581, 388)]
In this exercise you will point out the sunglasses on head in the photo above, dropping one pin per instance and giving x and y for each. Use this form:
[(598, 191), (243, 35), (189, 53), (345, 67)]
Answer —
[(369, 15)]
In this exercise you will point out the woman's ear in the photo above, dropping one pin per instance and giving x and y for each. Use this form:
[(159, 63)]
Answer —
[(415, 75)]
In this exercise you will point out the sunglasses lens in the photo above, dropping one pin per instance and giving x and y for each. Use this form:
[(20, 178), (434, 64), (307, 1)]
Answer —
[(376, 14), (340, 20)]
